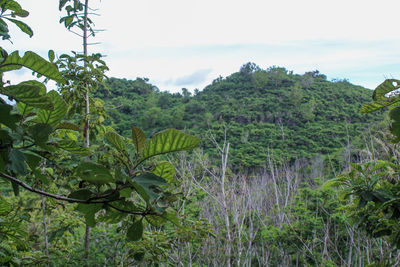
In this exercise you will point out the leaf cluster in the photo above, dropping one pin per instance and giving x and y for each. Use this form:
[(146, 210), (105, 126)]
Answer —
[(9, 11)]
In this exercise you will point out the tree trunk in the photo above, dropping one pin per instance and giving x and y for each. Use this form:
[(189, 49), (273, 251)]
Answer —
[(46, 242), (87, 112), (87, 244)]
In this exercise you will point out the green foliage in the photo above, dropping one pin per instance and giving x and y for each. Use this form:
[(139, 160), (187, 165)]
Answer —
[(139, 139), (168, 141), (116, 140), (31, 93), (41, 146), (386, 95), (15, 237), (75, 17), (94, 173), (33, 62), (135, 231), (303, 238), (372, 188), (270, 111), (165, 170), (10, 8), (147, 185), (381, 97), (133, 200), (56, 115)]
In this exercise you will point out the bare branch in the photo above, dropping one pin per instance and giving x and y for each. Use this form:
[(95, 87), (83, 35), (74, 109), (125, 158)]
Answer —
[(80, 35)]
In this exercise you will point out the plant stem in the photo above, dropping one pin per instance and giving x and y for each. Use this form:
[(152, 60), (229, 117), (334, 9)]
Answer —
[(86, 129), (46, 243)]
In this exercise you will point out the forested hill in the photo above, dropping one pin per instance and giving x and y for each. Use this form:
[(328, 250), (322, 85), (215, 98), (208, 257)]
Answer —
[(265, 112)]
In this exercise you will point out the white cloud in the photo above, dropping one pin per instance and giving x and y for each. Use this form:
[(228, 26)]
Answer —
[(197, 77)]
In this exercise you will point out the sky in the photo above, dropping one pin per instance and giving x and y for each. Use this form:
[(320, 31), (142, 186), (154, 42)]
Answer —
[(189, 43)]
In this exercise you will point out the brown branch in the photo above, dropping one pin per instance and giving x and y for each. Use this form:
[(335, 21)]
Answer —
[(110, 193), (143, 213), (58, 197)]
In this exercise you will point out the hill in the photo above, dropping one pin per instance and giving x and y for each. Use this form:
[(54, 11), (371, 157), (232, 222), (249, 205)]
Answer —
[(265, 112)]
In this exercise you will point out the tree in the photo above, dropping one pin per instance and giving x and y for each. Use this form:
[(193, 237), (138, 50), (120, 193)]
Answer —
[(84, 77), (118, 179)]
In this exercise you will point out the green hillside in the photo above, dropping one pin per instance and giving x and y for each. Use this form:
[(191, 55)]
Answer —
[(272, 111)]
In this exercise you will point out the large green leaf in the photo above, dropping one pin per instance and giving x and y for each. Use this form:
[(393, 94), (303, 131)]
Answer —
[(21, 13), (126, 192), (34, 62), (384, 95), (69, 126), (169, 141), (82, 194), (11, 5), (17, 162), (116, 140), (4, 30), (6, 140), (67, 20), (384, 88), (372, 107), (172, 216), (23, 26), (28, 93), (7, 118), (15, 188), (139, 139), (147, 186), (3, 53), (40, 132), (32, 159), (54, 116), (89, 210), (62, 4), (94, 173), (165, 170), (135, 231), (120, 175), (25, 109), (39, 176), (73, 147), (111, 216)]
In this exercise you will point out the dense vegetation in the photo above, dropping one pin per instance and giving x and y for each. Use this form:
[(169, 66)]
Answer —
[(264, 112), (289, 172), (54, 144)]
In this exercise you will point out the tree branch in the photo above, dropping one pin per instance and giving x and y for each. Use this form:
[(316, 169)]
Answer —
[(59, 197), (143, 213), (110, 193)]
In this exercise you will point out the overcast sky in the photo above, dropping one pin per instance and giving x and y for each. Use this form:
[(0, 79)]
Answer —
[(189, 43)]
